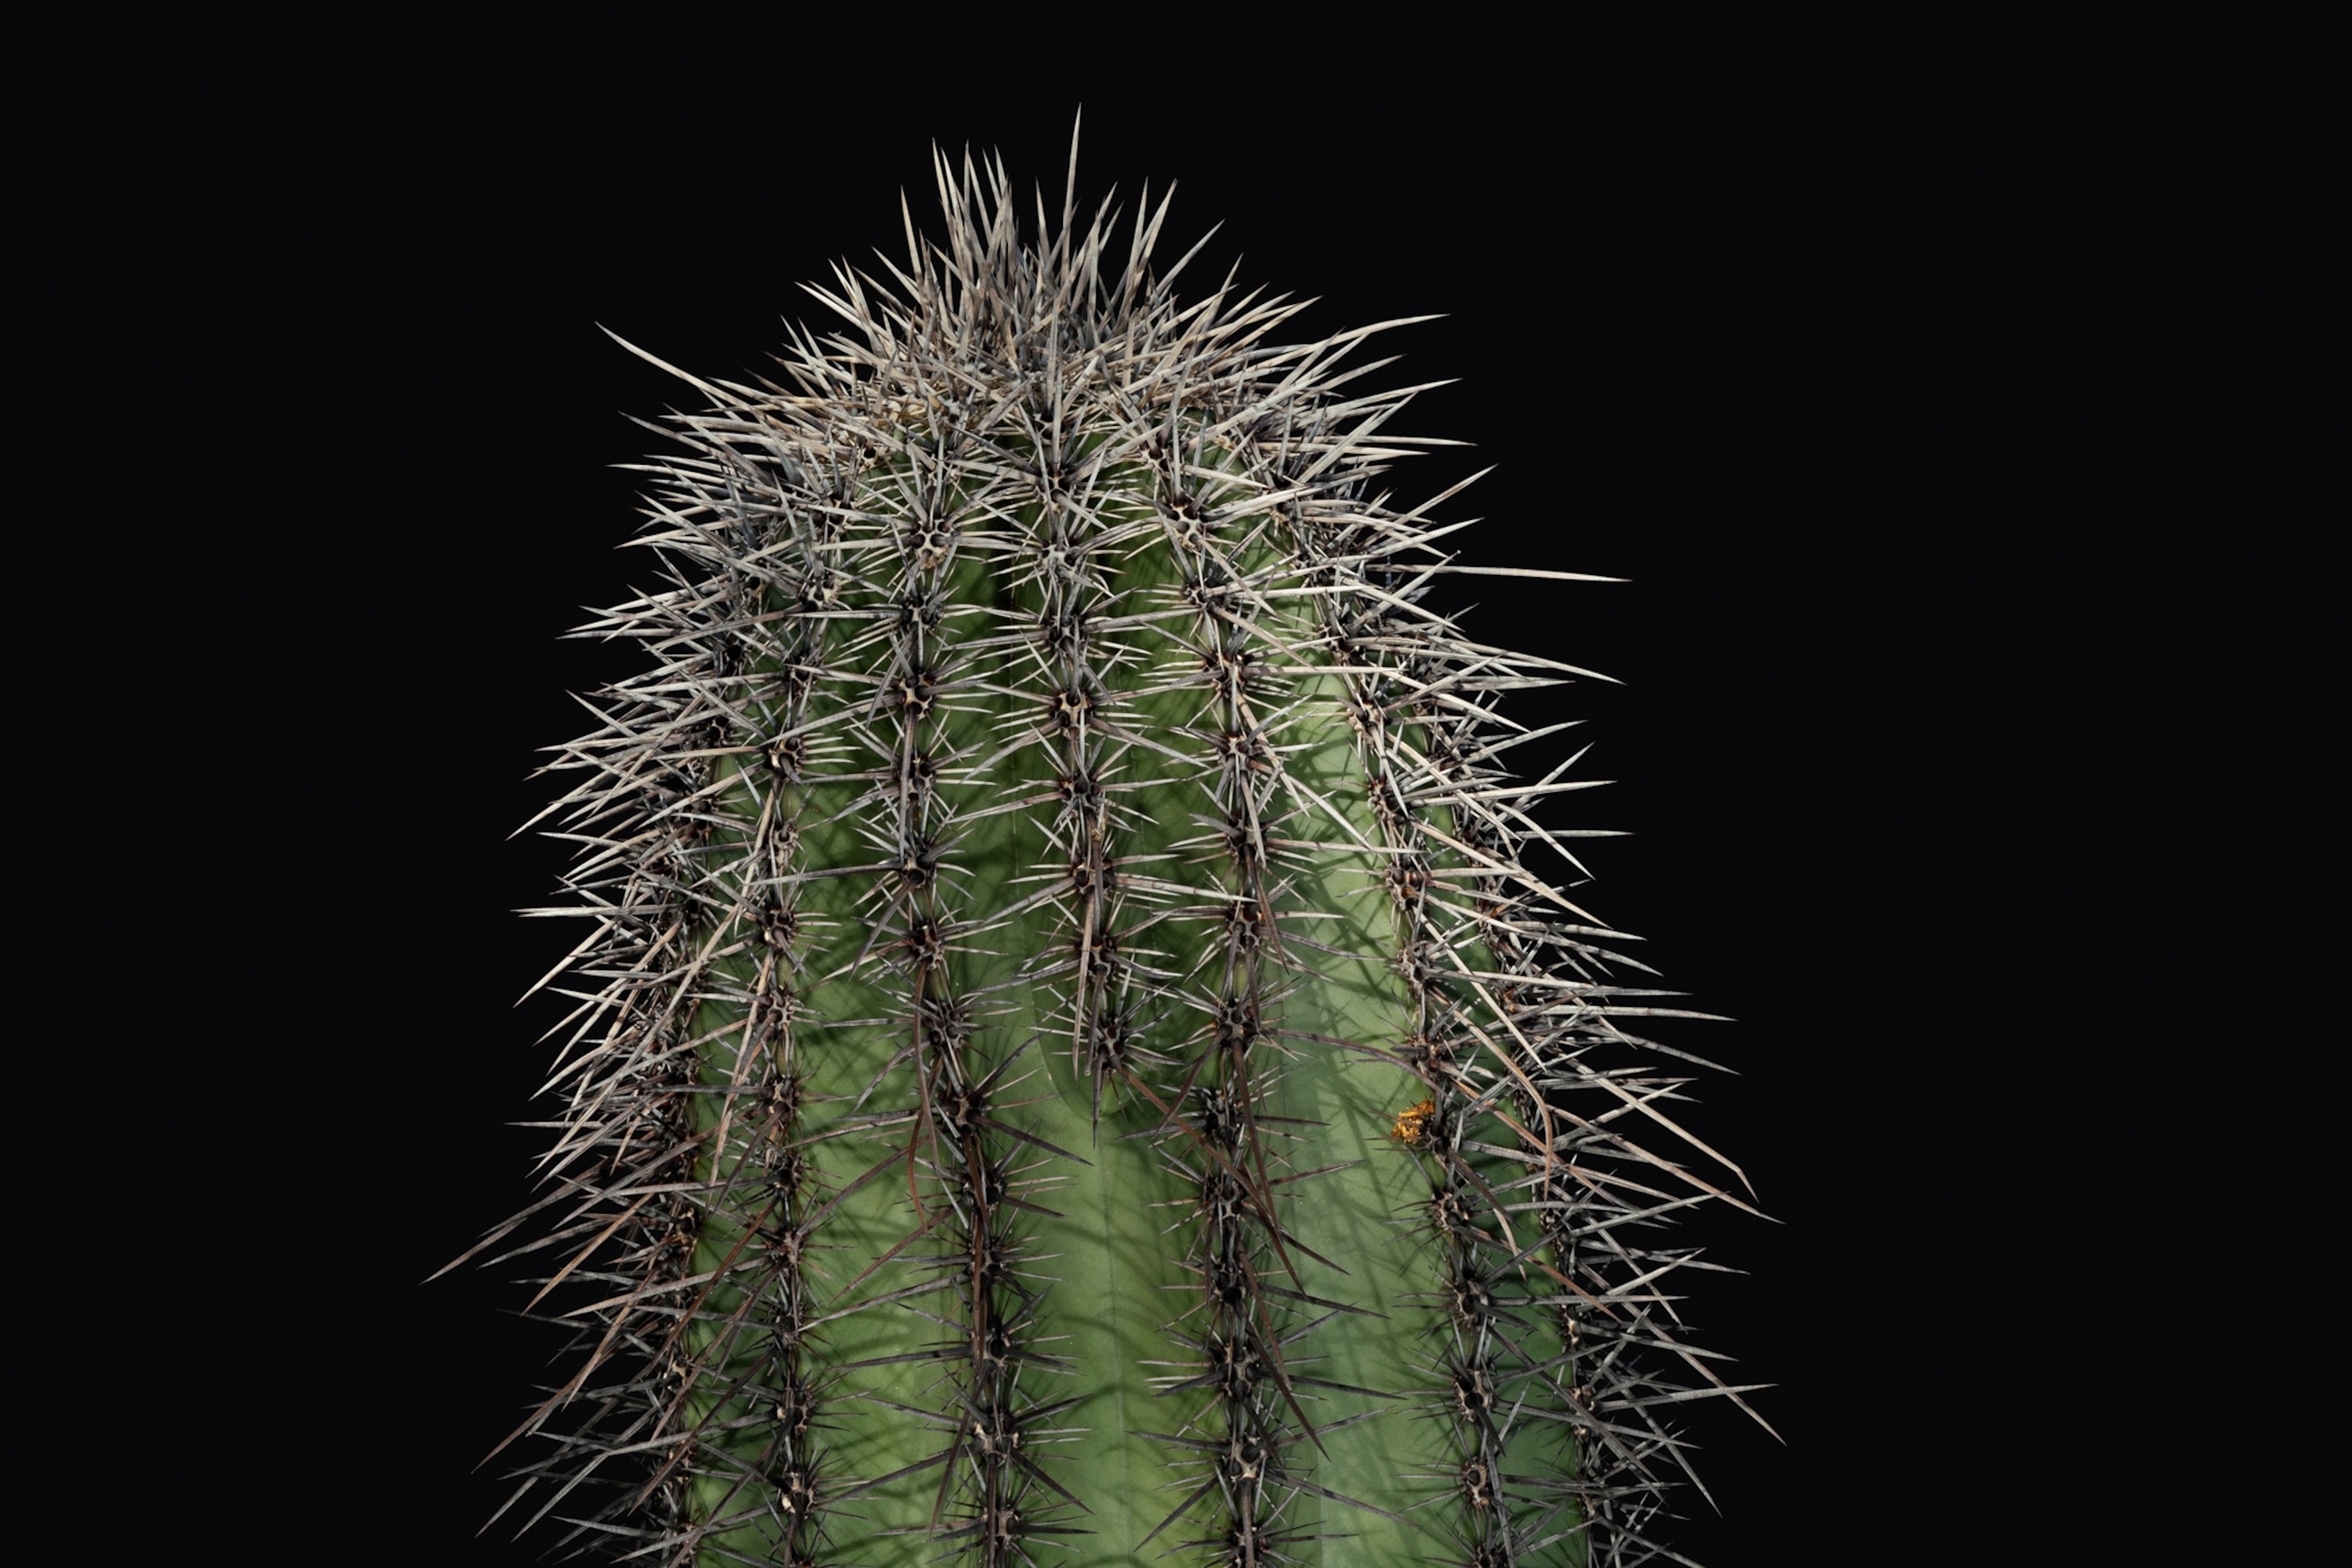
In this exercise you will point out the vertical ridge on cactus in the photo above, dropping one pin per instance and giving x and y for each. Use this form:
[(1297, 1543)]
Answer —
[(1068, 1063)]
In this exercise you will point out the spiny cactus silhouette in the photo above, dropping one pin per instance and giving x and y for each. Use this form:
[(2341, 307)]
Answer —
[(1068, 1062)]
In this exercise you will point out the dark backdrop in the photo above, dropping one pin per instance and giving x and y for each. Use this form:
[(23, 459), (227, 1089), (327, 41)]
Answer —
[(1813, 337)]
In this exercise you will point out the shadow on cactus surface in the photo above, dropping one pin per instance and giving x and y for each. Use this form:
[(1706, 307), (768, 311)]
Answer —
[(1067, 1064)]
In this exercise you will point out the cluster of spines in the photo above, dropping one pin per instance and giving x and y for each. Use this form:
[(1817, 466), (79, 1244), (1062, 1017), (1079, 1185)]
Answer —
[(993, 1491), (1220, 1137), (1546, 1288), (684, 1159), (683, 1152)]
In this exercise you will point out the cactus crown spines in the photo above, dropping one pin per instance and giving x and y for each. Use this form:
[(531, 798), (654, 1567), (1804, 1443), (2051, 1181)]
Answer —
[(1054, 821)]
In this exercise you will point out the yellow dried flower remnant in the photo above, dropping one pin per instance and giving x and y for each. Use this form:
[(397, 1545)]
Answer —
[(1412, 1124)]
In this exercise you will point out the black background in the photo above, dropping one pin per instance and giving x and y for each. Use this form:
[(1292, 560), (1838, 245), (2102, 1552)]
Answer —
[(1837, 344)]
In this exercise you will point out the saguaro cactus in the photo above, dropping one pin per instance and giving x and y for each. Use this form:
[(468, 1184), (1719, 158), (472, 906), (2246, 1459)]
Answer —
[(1069, 1065)]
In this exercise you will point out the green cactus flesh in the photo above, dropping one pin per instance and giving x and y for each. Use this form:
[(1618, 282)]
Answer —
[(1068, 1064)]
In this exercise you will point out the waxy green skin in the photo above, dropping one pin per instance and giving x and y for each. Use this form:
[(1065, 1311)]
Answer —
[(1111, 1251)]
